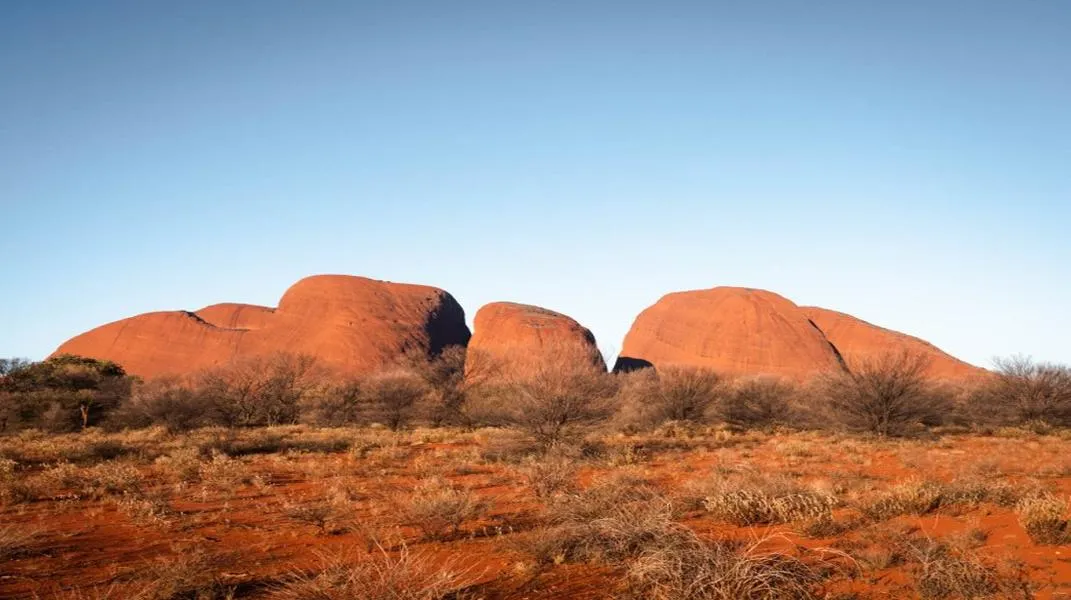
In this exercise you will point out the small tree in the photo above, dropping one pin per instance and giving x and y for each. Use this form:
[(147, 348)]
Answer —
[(1024, 391), (886, 395), (392, 397), (65, 391)]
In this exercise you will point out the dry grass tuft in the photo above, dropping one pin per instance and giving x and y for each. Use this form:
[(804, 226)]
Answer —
[(943, 572), (402, 575), (15, 541), (438, 508), (688, 568), (1044, 517)]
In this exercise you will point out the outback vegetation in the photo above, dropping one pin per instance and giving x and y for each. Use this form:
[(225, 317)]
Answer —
[(274, 478)]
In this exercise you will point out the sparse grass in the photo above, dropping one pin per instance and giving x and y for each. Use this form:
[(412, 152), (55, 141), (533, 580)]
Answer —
[(550, 476), (193, 573), (1044, 517), (15, 540), (326, 516), (401, 575)]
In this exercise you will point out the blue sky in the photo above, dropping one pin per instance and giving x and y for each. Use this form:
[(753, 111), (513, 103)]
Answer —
[(906, 162)]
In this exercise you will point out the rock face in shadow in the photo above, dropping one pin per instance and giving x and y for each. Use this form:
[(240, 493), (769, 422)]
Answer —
[(732, 330), (860, 342), (350, 324), (520, 339)]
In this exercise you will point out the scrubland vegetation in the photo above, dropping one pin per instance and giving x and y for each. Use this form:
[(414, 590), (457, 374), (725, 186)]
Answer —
[(275, 479)]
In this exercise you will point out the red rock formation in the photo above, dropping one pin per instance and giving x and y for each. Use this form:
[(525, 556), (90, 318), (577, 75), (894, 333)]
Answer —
[(352, 324), (859, 341), (736, 331), (520, 338), (236, 316)]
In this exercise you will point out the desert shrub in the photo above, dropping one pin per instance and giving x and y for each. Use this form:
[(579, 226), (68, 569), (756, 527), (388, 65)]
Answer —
[(1022, 391), (451, 379), (942, 572), (678, 394), (560, 400), (601, 532), (919, 497), (401, 575), (224, 473), (438, 508), (760, 505), (392, 398), (172, 402), (887, 396), (193, 573), (756, 403), (908, 498), (1044, 517), (550, 475), (63, 393), (337, 406), (260, 391), (683, 567), (320, 513)]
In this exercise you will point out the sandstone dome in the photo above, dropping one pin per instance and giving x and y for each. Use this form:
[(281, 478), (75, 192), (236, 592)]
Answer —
[(520, 338), (351, 324), (859, 342), (732, 330)]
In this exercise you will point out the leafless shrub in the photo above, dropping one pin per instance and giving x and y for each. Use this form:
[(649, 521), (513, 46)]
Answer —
[(757, 402), (885, 396), (402, 575), (392, 397), (322, 514), (438, 508), (1044, 517), (561, 400), (672, 394), (1023, 392), (261, 390), (173, 402)]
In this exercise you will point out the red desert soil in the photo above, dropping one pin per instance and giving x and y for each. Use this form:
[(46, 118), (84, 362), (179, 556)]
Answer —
[(237, 512), (859, 341), (353, 324), (735, 331), (522, 337)]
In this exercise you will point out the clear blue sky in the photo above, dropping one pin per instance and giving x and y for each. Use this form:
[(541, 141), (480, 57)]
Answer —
[(907, 162)]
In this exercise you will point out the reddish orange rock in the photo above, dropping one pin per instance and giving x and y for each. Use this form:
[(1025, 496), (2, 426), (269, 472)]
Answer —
[(859, 341), (732, 330), (236, 316), (521, 339), (352, 324)]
